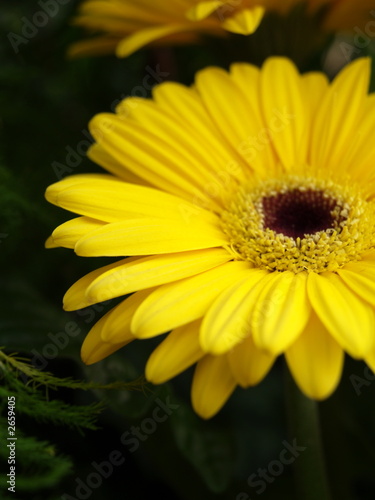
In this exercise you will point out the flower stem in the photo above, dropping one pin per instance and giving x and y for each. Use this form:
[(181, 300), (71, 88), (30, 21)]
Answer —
[(304, 428)]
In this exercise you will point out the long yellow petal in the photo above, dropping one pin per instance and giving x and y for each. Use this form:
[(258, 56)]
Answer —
[(213, 383), (281, 311), (112, 200), (175, 304), (202, 152), (75, 298), (189, 154), (94, 349), (229, 115), (235, 119), (149, 236), (175, 354), (53, 191), (67, 234), (227, 322), (316, 360), (284, 109), (347, 317), (178, 100), (152, 271), (360, 152), (116, 328), (140, 151), (248, 363), (360, 277), (339, 115), (254, 147), (314, 85), (145, 36), (100, 156)]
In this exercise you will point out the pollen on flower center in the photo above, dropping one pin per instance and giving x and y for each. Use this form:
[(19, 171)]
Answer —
[(296, 223)]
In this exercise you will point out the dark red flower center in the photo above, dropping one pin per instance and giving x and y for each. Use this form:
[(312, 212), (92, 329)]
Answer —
[(297, 213)]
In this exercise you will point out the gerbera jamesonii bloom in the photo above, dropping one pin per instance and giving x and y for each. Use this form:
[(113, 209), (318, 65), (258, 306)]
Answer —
[(124, 26), (245, 207)]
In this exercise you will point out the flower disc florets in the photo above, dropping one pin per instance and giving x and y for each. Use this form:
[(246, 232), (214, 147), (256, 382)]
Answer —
[(296, 223)]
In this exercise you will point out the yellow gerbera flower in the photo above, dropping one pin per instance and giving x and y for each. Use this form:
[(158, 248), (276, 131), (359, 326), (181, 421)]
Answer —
[(127, 25), (246, 205)]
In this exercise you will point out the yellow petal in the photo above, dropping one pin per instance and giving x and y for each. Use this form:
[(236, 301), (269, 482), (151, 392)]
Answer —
[(202, 157), (100, 156), (285, 110), (178, 100), (227, 322), (116, 328), (175, 304), (316, 360), (152, 271), (339, 115), (143, 37), (194, 162), (112, 200), (149, 236), (360, 277), (348, 318), (213, 383), (94, 349), (236, 118), (360, 152), (245, 21), (203, 10), (67, 234), (175, 354), (248, 363), (75, 298), (137, 148), (50, 243), (281, 311), (53, 191), (314, 86), (253, 147)]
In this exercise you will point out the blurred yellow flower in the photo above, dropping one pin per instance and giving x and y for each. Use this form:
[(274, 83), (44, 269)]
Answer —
[(124, 26), (246, 205)]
